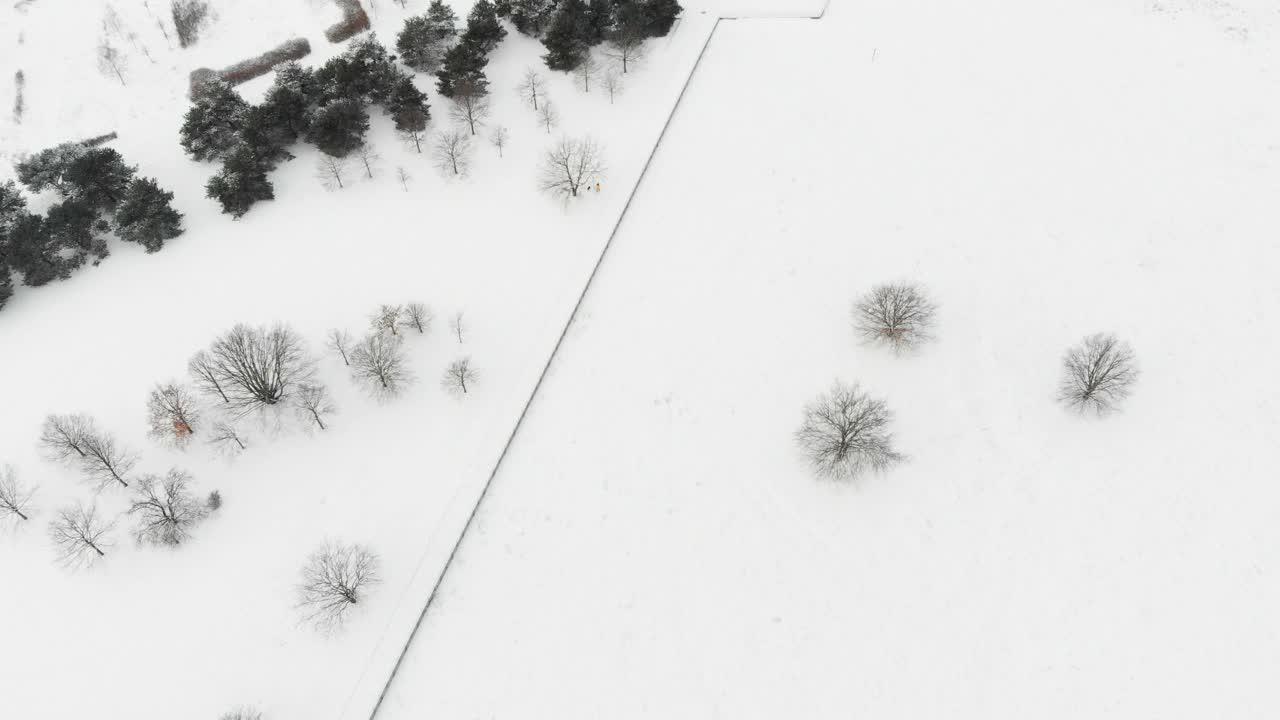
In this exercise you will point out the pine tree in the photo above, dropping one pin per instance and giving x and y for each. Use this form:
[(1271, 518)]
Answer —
[(423, 40), (98, 178), (365, 72), (45, 168), (599, 21), (339, 127), (287, 106), (33, 253), (267, 135), (211, 125), (146, 217), (662, 15), (483, 27), (567, 38), (6, 281), (531, 16), (241, 183), (408, 105), (442, 20), (464, 61), (12, 203), (71, 225), (298, 81)]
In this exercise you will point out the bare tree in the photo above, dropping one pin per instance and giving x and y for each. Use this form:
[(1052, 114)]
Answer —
[(378, 362), (414, 136), (499, 138), (898, 315), (331, 171), (452, 152), (418, 316), (458, 376), (257, 368), (226, 437), (172, 413), (80, 534), (470, 105), (62, 436), (340, 342), (166, 509), (15, 497), (387, 318), (625, 49), (312, 403), (458, 325), (1098, 374), (569, 165), (548, 116), (612, 83), (189, 17), (531, 87), (243, 713), (587, 71), (369, 158), (403, 176), (334, 580), (845, 433), (111, 61), (104, 461), (205, 373)]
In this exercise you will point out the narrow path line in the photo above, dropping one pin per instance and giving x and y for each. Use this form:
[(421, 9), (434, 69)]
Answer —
[(564, 332)]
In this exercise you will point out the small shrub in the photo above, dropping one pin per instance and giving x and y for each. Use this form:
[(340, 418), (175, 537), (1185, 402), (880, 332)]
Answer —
[(214, 503), (354, 21)]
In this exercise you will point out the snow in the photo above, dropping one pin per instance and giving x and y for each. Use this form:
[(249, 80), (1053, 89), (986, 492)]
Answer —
[(653, 547)]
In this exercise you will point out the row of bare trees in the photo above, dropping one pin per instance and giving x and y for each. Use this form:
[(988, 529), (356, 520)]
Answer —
[(377, 362)]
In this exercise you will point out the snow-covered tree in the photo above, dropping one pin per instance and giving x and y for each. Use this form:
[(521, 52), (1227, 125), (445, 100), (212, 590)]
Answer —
[(845, 433), (211, 127), (146, 215)]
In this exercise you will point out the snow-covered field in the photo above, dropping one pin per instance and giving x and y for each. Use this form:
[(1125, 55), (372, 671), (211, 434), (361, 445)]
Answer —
[(654, 547)]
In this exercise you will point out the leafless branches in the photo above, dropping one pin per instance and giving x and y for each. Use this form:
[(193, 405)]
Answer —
[(369, 158), (587, 71), (403, 176), (331, 171), (531, 87), (15, 497), (335, 580), (166, 509), (387, 318), (62, 436), (242, 713), (499, 138), (414, 136), (452, 152), (226, 437), (80, 534), (548, 116), (418, 316), (205, 373), (172, 413), (845, 433), (340, 342), (312, 404), (625, 50), (77, 439), (569, 165), (898, 315), (458, 325), (188, 18), (459, 376), (378, 363), (111, 61), (256, 368), (1098, 374), (612, 83), (471, 108)]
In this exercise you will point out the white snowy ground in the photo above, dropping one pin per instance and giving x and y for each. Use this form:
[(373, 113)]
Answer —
[(653, 546), (152, 633)]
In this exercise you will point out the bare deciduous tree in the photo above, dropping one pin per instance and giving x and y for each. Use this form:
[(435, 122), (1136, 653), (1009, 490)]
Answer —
[(80, 534), (414, 136), (625, 50), (845, 433), (499, 138), (531, 87), (470, 105), (205, 373), (403, 176), (418, 316), (172, 413), (548, 116), (898, 315), (226, 437), (331, 171), (62, 436), (111, 61), (340, 342), (458, 325), (257, 368), (587, 71), (335, 580), (378, 363), (312, 403), (452, 152), (166, 509), (1098, 374), (570, 165), (459, 376), (243, 713), (15, 497), (387, 318), (369, 158), (613, 84)]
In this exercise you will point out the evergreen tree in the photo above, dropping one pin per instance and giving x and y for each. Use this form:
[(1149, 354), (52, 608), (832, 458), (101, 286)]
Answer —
[(71, 224), (287, 107), (365, 72), (267, 135), (662, 15), (408, 105), (45, 168), (32, 252), (98, 178), (531, 16), (12, 204), (299, 81), (567, 38), (423, 40), (211, 125), (483, 27), (599, 21), (6, 283), (443, 20), (339, 127), (463, 62), (146, 217), (241, 183)]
